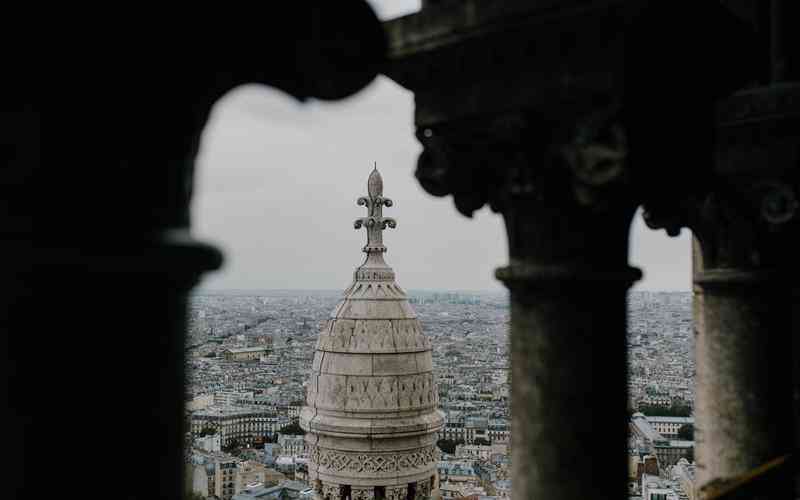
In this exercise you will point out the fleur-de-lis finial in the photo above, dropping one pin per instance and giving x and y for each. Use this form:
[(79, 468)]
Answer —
[(375, 222)]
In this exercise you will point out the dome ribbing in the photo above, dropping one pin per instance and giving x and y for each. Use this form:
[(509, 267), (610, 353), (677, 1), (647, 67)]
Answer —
[(371, 407)]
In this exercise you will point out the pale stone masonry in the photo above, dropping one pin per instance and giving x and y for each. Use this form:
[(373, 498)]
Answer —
[(372, 405)]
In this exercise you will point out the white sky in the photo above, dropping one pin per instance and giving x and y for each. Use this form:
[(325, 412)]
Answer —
[(276, 185)]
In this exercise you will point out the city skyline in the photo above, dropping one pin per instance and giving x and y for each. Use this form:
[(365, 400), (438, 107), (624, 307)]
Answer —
[(250, 361)]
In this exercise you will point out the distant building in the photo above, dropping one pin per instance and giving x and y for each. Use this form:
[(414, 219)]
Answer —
[(499, 430), (670, 453), (661, 400), (292, 446), (287, 490), (502, 488), (271, 452), (201, 479), (453, 429), (458, 471), (639, 466), (653, 488), (289, 465), (200, 402), (232, 398), (225, 478), (250, 474), (462, 491), (245, 353), (210, 443), (683, 472), (479, 451), (213, 474), (642, 429), (669, 426), (264, 340), (293, 410), (241, 424), (476, 428)]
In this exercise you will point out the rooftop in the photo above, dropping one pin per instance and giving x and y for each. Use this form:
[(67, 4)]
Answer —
[(236, 350)]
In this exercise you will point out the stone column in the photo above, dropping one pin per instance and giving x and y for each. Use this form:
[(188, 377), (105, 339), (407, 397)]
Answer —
[(328, 491), (568, 325), (746, 297), (743, 415), (745, 292), (363, 493), (563, 190), (396, 493), (516, 112)]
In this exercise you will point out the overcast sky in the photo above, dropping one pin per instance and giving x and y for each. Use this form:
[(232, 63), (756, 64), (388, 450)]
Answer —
[(277, 181)]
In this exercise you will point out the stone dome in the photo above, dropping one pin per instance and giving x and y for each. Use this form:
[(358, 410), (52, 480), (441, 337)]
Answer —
[(371, 409)]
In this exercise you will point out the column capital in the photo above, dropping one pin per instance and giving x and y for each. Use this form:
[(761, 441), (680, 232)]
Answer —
[(563, 184), (746, 216), (566, 139)]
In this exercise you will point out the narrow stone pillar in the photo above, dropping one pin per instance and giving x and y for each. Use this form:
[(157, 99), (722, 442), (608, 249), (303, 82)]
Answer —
[(568, 324), (795, 335), (563, 185), (744, 379), (568, 220), (745, 292)]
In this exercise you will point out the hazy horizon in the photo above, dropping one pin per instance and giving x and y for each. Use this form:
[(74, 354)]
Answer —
[(410, 290)]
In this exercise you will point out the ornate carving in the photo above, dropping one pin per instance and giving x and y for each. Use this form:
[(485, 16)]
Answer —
[(374, 274), (492, 160), (359, 290), (778, 202), (417, 391), (443, 150), (375, 222), (373, 463), (397, 493), (597, 156), (331, 392), (563, 186), (741, 225), (349, 335), (363, 493), (744, 217), (423, 489), (367, 393), (330, 491)]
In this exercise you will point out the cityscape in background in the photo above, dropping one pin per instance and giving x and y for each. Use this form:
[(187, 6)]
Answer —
[(249, 355)]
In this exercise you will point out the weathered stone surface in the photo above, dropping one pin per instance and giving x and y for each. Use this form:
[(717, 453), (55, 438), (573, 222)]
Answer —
[(371, 411)]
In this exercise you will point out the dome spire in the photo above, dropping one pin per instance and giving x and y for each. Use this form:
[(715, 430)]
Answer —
[(371, 415), (375, 222)]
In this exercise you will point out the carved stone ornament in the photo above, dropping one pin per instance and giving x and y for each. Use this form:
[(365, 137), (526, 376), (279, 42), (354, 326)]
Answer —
[(396, 493), (778, 203), (371, 405), (491, 160), (597, 159), (375, 222), (373, 463), (362, 493), (745, 217), (330, 491)]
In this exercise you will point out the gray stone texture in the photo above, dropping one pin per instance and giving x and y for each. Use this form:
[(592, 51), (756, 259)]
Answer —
[(371, 407)]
